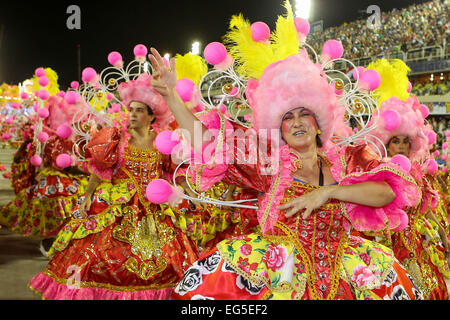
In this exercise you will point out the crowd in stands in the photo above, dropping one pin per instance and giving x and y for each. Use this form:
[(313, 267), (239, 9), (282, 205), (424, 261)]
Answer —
[(417, 26), (430, 88)]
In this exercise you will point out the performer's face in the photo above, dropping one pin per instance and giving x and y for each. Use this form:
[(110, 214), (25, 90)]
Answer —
[(399, 145), (299, 128), (139, 115)]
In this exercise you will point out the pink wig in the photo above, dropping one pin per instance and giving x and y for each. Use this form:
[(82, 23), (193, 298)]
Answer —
[(291, 83), (63, 113), (140, 90), (411, 124)]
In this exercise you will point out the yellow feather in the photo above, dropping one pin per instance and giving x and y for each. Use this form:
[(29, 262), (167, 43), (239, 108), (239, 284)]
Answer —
[(394, 79), (285, 41), (191, 66), (251, 57)]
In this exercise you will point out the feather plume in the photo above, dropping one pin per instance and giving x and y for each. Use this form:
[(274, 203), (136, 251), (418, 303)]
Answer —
[(394, 79), (191, 66)]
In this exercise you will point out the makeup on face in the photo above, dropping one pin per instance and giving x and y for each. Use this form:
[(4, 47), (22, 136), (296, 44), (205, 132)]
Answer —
[(298, 124), (399, 145)]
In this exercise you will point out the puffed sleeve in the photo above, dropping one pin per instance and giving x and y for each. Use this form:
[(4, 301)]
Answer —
[(102, 152), (233, 157), (362, 165), (54, 147)]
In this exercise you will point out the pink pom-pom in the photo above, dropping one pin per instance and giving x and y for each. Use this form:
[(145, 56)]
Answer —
[(43, 81), (115, 107), (358, 72), (15, 105), (12, 130), (260, 31), (9, 120), (431, 166), (409, 87), (40, 72), (447, 133), (24, 95), (140, 52), (42, 137), (215, 53), (432, 137), (36, 160), (44, 94), (332, 49), (444, 157), (43, 113), (35, 107), (61, 94), (302, 25), (370, 80), (402, 161), (436, 154), (185, 88), (72, 97), (115, 59), (424, 110), (109, 97), (89, 75), (75, 85), (63, 161), (445, 170), (64, 131), (392, 120), (6, 136), (222, 108), (159, 191), (166, 141)]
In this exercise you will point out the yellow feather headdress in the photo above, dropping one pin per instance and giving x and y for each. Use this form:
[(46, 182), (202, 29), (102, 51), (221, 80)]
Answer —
[(253, 57), (191, 66), (394, 79)]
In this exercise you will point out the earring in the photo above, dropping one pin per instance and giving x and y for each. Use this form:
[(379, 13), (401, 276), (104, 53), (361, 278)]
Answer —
[(319, 132), (297, 163)]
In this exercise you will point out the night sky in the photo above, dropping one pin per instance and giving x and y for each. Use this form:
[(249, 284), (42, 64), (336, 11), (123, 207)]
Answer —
[(35, 35)]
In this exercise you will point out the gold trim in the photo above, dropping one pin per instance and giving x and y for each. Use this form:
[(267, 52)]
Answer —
[(270, 202), (128, 288)]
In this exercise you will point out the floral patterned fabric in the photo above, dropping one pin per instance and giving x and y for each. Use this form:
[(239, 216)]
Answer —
[(42, 209), (253, 268)]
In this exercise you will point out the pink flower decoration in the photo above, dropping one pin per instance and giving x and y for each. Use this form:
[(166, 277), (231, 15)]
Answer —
[(365, 257), (90, 225), (246, 250), (275, 257), (362, 275)]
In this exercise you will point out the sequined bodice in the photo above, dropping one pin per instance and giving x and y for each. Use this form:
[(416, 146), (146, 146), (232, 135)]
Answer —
[(142, 166), (319, 240)]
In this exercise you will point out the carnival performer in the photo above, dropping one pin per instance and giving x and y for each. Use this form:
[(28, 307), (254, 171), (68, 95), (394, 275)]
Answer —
[(422, 247), (120, 245), (46, 193), (307, 201), (205, 223)]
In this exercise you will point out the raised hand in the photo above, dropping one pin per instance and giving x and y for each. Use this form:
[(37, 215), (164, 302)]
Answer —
[(164, 77), (310, 202)]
